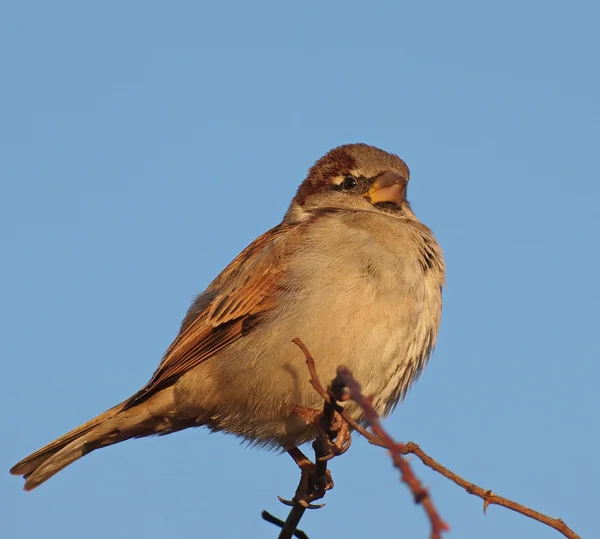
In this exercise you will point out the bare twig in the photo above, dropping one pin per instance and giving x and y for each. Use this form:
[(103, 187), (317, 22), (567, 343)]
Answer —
[(419, 492), (344, 379), (274, 520), (290, 525), (314, 381), (344, 386), (488, 497)]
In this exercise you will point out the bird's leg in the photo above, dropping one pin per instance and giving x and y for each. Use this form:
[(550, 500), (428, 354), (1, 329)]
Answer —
[(330, 427), (303, 462), (315, 479), (334, 433), (309, 415), (343, 438), (333, 439)]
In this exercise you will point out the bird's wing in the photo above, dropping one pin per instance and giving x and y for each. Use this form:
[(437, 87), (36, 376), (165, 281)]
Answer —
[(229, 308)]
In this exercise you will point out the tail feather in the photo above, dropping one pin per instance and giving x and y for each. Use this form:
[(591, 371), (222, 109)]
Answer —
[(31, 462), (118, 424)]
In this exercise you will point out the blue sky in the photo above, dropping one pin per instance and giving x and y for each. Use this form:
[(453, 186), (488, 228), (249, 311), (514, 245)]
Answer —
[(144, 144)]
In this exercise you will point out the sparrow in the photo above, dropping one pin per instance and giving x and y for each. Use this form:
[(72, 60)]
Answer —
[(350, 271)]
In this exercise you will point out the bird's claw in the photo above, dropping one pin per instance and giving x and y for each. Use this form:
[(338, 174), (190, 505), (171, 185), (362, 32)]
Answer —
[(342, 443), (311, 487), (303, 503)]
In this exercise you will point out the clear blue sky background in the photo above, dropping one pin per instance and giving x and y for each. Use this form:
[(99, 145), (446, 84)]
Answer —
[(144, 144)]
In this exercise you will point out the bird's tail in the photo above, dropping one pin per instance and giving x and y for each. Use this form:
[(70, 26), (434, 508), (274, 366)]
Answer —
[(120, 423)]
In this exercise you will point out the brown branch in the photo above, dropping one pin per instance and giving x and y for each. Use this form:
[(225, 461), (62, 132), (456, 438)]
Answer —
[(274, 520), (380, 438), (314, 381), (419, 492), (488, 497), (345, 387), (345, 379)]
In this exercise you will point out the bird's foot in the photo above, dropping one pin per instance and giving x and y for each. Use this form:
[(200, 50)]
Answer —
[(342, 439), (315, 481), (333, 431)]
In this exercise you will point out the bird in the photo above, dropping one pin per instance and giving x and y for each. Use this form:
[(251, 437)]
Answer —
[(350, 270)]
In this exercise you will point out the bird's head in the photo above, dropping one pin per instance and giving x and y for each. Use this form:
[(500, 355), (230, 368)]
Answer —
[(353, 177)]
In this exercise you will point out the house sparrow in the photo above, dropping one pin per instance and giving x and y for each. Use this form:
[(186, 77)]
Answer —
[(350, 270)]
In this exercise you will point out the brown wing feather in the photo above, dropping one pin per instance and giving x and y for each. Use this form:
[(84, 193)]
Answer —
[(248, 287)]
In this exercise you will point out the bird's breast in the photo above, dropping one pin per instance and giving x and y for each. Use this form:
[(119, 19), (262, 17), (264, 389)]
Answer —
[(368, 301)]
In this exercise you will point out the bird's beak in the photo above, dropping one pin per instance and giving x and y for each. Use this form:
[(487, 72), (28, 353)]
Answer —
[(389, 187)]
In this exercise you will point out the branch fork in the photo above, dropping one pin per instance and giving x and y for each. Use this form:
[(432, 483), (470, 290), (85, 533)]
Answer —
[(333, 426)]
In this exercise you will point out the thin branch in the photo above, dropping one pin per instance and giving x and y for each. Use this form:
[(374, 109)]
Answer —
[(345, 379), (382, 439), (314, 381), (344, 386), (488, 497), (290, 525), (278, 522), (419, 492)]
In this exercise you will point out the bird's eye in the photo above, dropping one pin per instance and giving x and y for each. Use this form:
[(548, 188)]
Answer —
[(349, 183)]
